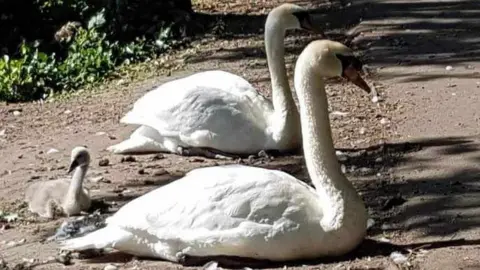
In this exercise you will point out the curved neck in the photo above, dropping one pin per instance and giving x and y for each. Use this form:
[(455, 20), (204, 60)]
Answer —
[(286, 113), (322, 165), (77, 182)]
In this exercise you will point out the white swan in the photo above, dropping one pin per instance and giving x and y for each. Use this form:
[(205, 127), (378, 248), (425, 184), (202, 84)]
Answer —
[(67, 195), (252, 212), (216, 113)]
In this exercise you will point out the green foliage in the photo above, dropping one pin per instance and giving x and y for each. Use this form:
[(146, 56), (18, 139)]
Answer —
[(26, 77), (90, 57), (81, 55)]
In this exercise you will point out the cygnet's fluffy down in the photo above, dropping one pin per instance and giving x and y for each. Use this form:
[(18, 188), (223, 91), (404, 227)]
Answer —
[(66, 195)]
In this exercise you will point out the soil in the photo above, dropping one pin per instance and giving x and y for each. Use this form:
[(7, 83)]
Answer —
[(414, 156)]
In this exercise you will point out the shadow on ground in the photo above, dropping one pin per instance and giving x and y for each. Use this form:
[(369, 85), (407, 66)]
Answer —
[(332, 14), (415, 33), (406, 33), (435, 187)]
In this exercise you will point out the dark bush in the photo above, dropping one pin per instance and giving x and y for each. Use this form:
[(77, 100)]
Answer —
[(57, 45)]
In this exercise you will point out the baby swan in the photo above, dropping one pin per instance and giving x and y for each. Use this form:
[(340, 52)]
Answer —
[(67, 195)]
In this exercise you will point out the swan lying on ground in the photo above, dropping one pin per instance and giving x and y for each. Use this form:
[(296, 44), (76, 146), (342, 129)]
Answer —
[(218, 114)]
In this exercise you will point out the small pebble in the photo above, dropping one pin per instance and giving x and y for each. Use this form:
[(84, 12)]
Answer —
[(2, 132), (398, 257), (110, 267), (362, 131), (177, 173), (365, 170), (448, 68), (158, 157), (197, 160), (49, 259), (384, 239), (16, 243), (30, 261), (160, 172), (128, 159), (103, 162), (370, 223), (126, 191), (52, 151), (64, 258), (384, 121), (376, 99), (16, 113), (263, 154), (213, 265), (67, 112), (343, 168), (96, 179), (148, 182), (339, 113), (341, 156)]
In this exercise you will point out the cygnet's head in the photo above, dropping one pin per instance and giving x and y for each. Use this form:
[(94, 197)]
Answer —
[(292, 16), (79, 157), (333, 59)]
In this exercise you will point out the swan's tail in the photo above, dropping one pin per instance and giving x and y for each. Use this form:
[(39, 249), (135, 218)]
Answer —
[(106, 237), (130, 118), (138, 145), (146, 119)]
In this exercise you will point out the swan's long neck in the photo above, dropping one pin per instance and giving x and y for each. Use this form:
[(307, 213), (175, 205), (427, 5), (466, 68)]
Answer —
[(77, 182), (286, 114), (332, 186)]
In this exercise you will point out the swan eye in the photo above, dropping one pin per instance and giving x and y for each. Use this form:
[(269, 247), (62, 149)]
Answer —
[(349, 61), (301, 15), (305, 20)]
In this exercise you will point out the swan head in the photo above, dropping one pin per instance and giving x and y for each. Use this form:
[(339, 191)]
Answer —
[(292, 16), (333, 59), (79, 157)]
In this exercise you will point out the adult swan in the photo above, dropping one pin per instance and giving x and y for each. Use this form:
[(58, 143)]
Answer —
[(246, 212), (216, 113)]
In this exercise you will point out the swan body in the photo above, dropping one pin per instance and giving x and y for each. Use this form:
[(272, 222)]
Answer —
[(67, 195), (221, 111), (251, 212), (201, 118)]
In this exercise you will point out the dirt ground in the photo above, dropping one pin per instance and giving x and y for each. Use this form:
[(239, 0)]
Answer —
[(414, 156)]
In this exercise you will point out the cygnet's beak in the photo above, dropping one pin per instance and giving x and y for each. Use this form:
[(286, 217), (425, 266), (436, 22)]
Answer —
[(73, 165), (354, 76)]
